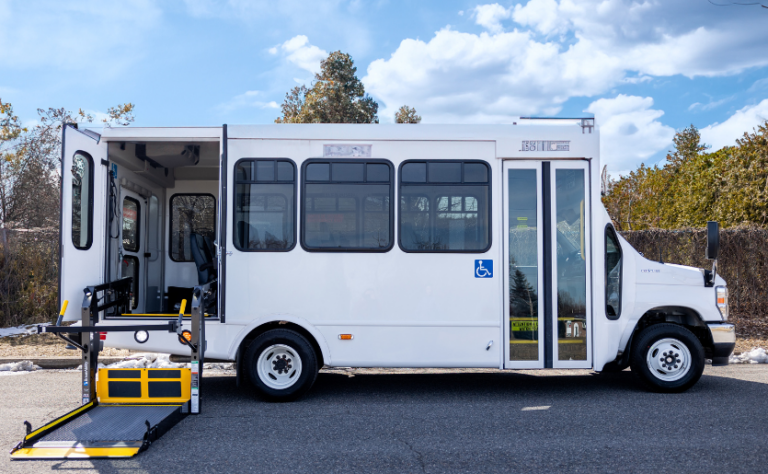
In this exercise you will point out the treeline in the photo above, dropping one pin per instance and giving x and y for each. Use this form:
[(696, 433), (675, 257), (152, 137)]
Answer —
[(662, 211), (694, 186), (30, 184)]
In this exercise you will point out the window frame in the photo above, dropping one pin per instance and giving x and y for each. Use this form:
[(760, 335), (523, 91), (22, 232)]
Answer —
[(276, 181), (489, 184), (609, 229), (89, 240), (170, 222), (331, 161), (138, 224)]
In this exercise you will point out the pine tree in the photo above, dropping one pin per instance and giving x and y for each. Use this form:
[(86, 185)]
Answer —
[(337, 96)]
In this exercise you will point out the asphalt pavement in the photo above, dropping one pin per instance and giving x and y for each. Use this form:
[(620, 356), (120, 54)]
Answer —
[(526, 421)]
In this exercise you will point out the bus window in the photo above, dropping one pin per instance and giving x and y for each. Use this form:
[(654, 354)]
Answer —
[(190, 213), (82, 201), (131, 228), (445, 206), (347, 205), (612, 274), (265, 213)]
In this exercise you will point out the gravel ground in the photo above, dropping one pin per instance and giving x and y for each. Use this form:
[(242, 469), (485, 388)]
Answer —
[(45, 345), (395, 421)]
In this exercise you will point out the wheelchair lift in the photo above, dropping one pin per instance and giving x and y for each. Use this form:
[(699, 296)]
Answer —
[(123, 411)]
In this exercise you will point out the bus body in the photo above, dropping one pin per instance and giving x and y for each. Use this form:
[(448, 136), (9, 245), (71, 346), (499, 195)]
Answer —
[(379, 246)]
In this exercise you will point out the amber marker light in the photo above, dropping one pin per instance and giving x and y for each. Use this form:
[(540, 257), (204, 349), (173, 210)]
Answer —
[(185, 335), (346, 337)]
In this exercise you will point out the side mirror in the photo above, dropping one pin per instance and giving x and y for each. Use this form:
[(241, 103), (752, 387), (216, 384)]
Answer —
[(713, 240)]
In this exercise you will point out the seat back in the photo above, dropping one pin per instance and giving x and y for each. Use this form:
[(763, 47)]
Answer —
[(212, 253), (203, 259)]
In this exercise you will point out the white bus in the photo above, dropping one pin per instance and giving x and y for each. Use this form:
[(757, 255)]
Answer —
[(379, 246)]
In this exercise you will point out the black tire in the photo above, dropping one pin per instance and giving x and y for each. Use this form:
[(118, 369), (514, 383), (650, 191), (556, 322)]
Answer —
[(292, 344), (654, 379)]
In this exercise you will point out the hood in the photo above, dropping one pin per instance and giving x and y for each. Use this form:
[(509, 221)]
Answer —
[(655, 273)]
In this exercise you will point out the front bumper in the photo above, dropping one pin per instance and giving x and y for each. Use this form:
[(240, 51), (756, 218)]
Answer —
[(723, 342)]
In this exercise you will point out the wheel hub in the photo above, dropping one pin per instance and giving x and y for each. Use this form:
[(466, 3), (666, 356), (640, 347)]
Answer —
[(669, 359), (279, 366)]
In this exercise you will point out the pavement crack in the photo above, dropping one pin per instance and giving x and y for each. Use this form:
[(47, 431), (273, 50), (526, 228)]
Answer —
[(418, 454)]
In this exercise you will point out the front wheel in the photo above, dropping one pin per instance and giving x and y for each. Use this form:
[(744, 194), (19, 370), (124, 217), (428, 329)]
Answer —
[(282, 365), (667, 358)]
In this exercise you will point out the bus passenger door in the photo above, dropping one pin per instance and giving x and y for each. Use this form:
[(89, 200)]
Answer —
[(82, 231), (547, 252)]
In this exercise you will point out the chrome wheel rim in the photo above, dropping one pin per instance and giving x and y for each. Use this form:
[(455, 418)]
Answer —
[(279, 367), (669, 359)]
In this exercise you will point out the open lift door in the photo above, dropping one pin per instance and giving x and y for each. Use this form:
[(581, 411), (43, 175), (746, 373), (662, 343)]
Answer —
[(83, 197), (124, 410)]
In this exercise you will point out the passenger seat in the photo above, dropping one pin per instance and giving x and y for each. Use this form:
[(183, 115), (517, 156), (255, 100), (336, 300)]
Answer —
[(206, 270)]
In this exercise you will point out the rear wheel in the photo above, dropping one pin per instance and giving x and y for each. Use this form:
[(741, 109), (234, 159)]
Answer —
[(667, 358), (281, 365)]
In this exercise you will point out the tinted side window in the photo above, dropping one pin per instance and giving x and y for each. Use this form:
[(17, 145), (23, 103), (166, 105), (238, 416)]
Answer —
[(82, 201), (265, 209), (445, 206), (347, 205), (612, 274), (190, 213), (131, 219)]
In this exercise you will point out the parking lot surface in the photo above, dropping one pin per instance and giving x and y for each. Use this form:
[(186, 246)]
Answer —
[(484, 421)]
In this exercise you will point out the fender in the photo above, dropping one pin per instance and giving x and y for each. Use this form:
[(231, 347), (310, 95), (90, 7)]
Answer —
[(683, 315), (297, 320)]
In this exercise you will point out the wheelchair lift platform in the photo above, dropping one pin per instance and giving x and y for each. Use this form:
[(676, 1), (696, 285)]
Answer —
[(123, 411)]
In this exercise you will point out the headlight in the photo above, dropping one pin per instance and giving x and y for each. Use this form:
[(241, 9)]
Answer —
[(721, 293)]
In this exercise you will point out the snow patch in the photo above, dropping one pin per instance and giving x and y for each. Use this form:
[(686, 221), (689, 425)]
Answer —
[(23, 330), (755, 356), (159, 361), (145, 361), (23, 366)]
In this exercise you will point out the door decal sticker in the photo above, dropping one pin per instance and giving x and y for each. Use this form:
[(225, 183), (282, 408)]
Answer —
[(483, 268)]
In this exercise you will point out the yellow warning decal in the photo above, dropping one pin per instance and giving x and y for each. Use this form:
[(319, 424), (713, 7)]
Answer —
[(523, 325), (74, 453)]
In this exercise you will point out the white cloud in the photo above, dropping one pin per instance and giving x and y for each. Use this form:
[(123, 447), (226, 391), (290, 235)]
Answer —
[(462, 77), (759, 85), (298, 51), (542, 15), (559, 50), (490, 16), (629, 131), (725, 134), (712, 104), (249, 99)]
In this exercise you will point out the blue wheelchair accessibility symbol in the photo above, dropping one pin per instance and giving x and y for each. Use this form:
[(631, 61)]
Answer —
[(483, 268)]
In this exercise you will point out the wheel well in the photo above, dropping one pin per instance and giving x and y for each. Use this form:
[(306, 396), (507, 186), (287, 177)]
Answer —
[(681, 315), (259, 330)]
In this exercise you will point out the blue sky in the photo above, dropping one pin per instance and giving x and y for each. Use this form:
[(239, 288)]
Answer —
[(645, 68)]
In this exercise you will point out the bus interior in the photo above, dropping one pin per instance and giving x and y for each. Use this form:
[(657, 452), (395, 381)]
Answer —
[(162, 199)]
